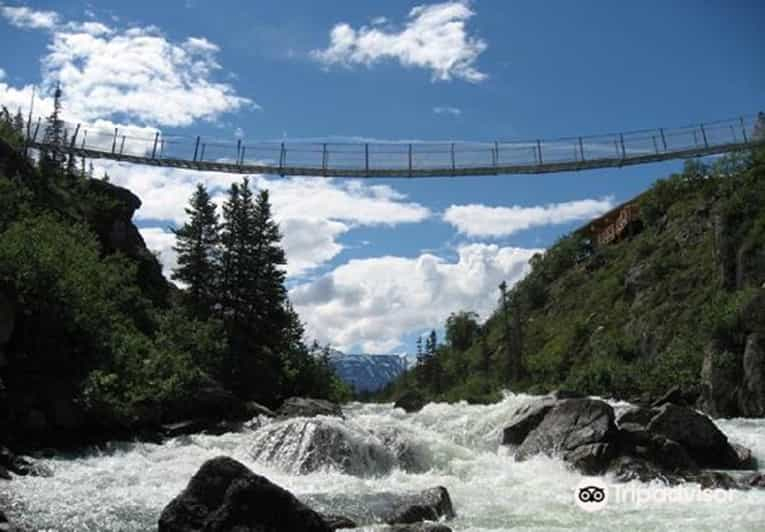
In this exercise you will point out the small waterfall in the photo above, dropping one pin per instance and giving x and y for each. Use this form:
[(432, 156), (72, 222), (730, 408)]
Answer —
[(306, 445)]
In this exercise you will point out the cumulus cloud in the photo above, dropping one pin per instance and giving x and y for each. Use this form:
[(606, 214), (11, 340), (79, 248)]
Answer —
[(27, 18), (313, 214), (434, 38), (136, 73), (373, 303), (478, 220), (446, 110)]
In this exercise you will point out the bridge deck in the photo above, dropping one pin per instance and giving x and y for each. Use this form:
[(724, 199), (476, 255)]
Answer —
[(407, 160)]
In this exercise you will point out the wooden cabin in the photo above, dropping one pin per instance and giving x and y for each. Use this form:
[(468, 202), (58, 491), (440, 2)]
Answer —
[(613, 225)]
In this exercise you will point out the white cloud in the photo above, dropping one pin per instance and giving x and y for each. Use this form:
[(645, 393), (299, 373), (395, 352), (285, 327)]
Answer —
[(446, 110), (477, 220), (140, 74), (374, 302), (434, 37), (24, 17), (313, 213), (134, 74), (344, 200), (91, 28), (310, 242), (161, 241)]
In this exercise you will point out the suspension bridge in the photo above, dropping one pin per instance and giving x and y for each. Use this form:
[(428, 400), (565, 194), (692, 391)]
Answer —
[(403, 159)]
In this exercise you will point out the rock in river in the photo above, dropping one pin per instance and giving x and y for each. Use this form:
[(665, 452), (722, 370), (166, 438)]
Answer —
[(224, 496)]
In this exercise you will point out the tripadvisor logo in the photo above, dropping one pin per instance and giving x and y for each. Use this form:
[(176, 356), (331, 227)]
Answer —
[(591, 494)]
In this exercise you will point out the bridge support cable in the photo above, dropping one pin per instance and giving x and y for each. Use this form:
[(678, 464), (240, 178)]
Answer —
[(406, 159)]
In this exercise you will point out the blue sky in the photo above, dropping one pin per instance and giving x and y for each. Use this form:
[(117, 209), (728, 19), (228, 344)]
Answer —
[(373, 264)]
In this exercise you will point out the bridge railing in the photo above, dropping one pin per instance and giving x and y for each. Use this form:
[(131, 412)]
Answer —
[(447, 157)]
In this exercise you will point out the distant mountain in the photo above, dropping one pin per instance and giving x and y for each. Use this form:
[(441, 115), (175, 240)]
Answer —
[(367, 373)]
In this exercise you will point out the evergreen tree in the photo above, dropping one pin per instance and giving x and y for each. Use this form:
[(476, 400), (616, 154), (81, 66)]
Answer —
[(196, 245), (240, 257), (507, 340), (510, 309), (52, 159), (421, 370), (270, 293), (433, 362), (261, 327)]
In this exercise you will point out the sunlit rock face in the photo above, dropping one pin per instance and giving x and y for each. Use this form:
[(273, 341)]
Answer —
[(367, 373)]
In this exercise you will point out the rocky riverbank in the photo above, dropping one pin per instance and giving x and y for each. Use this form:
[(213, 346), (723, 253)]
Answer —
[(670, 443)]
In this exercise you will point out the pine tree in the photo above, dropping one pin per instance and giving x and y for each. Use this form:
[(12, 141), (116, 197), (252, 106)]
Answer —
[(240, 258), (52, 159), (271, 293), (433, 363), (512, 332), (507, 340), (196, 244)]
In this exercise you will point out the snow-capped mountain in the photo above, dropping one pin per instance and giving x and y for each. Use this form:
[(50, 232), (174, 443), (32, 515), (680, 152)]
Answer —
[(367, 373)]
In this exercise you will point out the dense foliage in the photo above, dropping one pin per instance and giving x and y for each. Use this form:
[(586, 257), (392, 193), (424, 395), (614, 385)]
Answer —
[(94, 331), (626, 318)]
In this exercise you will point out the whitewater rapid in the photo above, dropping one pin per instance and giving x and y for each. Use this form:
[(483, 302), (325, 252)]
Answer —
[(125, 486)]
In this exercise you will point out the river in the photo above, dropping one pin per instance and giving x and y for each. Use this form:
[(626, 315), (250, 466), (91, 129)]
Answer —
[(124, 486)]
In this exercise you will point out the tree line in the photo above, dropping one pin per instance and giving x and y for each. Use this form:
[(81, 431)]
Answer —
[(232, 268)]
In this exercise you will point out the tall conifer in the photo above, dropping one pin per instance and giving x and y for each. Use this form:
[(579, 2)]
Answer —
[(196, 244)]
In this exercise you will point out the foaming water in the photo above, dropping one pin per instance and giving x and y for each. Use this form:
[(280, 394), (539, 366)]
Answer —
[(125, 486)]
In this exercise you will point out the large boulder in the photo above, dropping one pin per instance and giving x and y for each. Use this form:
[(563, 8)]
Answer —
[(636, 415), (677, 396), (21, 465), (307, 407), (386, 508), (570, 424), (411, 402), (224, 496), (525, 419), (305, 445), (704, 442), (591, 459)]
